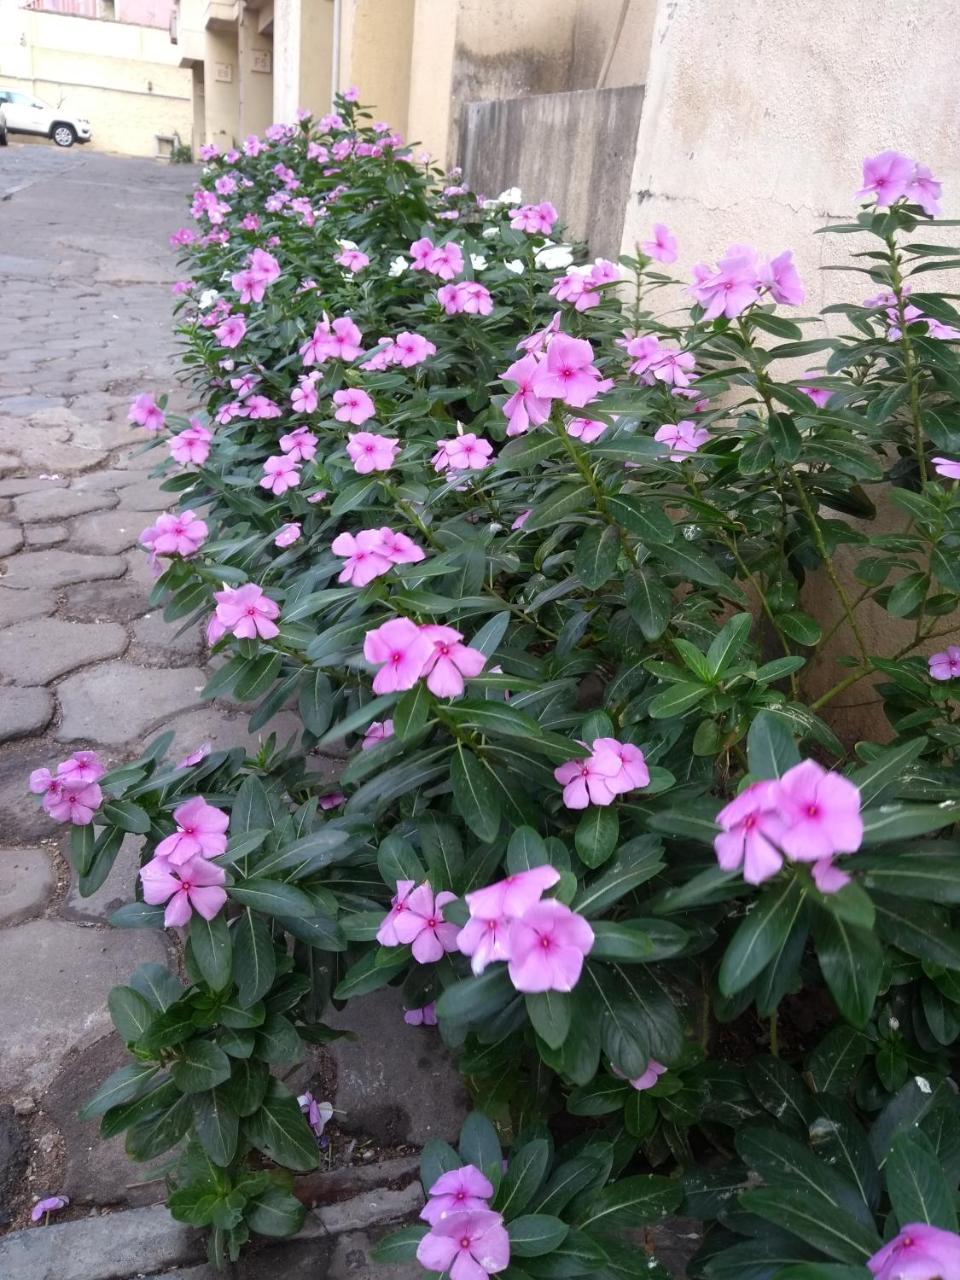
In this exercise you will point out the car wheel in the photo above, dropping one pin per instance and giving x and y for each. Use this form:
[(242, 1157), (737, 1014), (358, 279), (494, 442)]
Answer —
[(3, 138), (64, 135)]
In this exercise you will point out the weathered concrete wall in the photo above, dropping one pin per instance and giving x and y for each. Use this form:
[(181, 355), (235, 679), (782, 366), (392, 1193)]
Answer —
[(572, 148)]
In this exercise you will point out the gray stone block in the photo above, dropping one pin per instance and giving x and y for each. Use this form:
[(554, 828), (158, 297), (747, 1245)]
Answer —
[(39, 651), (32, 569), (23, 711), (118, 702), (26, 881)]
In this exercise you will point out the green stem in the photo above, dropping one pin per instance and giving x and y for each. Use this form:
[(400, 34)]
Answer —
[(909, 359)]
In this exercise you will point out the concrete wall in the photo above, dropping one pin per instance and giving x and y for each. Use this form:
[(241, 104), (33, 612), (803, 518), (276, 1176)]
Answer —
[(376, 43), (572, 148), (302, 57), (125, 79)]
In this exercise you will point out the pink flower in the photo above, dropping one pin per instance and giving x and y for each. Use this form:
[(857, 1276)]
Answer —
[(73, 802), (421, 924), (51, 1204), (536, 219), (287, 535), (332, 800), (421, 251), (303, 397), (366, 558), (466, 452), (925, 190), (231, 331), (262, 407), (195, 757), (547, 947), (663, 245), (80, 768), (633, 768), (946, 665), (457, 1191), (299, 445), (386, 934), (262, 270), (247, 612), (578, 287), (215, 629), (568, 372), (445, 261), (467, 1246), (731, 288), (751, 829), (409, 349), (352, 260), (196, 885), (524, 409), (45, 783), (779, 275), (586, 429), (175, 534), (948, 469), (819, 395), (370, 452), (820, 812), (485, 939), (399, 548), (827, 877), (319, 1114), (539, 341), (192, 446), (352, 94), (340, 341), (522, 519), (683, 438), (426, 1016), (651, 1075), (466, 297), (354, 406), (450, 661), (280, 473), (376, 733), (400, 649), (201, 833), (145, 412), (590, 781), (886, 176), (919, 1252)]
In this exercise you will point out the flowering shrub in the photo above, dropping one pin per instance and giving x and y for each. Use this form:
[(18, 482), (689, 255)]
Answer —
[(537, 556)]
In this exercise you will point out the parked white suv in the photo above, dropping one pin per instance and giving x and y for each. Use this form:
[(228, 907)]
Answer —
[(29, 115)]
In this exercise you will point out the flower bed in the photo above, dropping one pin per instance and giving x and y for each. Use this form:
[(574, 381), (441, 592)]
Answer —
[(536, 556)]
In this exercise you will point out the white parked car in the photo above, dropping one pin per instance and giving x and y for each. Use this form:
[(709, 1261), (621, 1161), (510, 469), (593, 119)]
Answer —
[(25, 114)]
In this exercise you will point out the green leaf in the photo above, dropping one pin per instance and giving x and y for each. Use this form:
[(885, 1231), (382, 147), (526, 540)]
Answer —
[(563, 501), (132, 1014), (637, 941), (834, 1063), (200, 1065), (761, 935), (217, 1126), (799, 626), (272, 897), (550, 1013), (596, 557), (526, 1170), (637, 861), (121, 1086), (82, 842), (899, 821), (779, 1091), (851, 960), (834, 1232), (254, 957), (275, 1212), (771, 750), (597, 834), (691, 564), (160, 1130), (676, 700), (314, 701), (566, 1182), (638, 1201), (784, 1162), (126, 815), (728, 643), (919, 931), (212, 949), (411, 712), (535, 1234), (886, 770), (277, 1040), (648, 601), (400, 1246), (474, 794), (918, 1190), (645, 520), (479, 1144), (476, 999), (279, 1130), (374, 970)]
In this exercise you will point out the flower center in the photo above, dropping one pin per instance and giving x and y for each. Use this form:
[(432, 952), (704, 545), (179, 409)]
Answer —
[(545, 942), (813, 811)]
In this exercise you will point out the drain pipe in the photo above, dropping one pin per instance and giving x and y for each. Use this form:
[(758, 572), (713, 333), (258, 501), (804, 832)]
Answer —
[(335, 51)]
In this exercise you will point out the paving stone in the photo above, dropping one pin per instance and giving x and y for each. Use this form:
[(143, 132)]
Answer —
[(224, 727), (394, 1082), (16, 606), (115, 601), (21, 819), (10, 463), (46, 535), (26, 881), (32, 569), (37, 652), (22, 405), (109, 531), (157, 643), (60, 504), (27, 484), (117, 889), (23, 710), (54, 981), (95, 1171), (108, 478), (118, 702), (146, 496), (13, 1161), (11, 538)]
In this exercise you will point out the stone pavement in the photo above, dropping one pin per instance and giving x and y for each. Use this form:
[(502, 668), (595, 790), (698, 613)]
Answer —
[(85, 324)]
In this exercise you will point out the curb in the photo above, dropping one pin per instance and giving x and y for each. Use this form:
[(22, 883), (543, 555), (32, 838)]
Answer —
[(135, 1242)]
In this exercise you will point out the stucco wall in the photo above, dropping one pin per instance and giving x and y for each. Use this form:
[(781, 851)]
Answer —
[(125, 79), (571, 148), (753, 129)]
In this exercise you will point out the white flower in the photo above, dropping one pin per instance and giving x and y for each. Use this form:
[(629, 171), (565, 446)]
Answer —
[(490, 233), (478, 261), (510, 196), (514, 265), (554, 256), (347, 244), (207, 299), (397, 267)]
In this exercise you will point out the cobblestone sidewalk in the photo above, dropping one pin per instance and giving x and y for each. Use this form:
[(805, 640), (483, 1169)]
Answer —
[(86, 324)]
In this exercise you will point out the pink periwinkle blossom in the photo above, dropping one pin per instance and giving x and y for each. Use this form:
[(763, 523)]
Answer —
[(649, 1077), (247, 612), (195, 885), (287, 535), (377, 732), (925, 190), (547, 948), (535, 219), (751, 825), (918, 1252), (538, 342), (485, 936), (299, 445), (467, 1246), (365, 556), (175, 534), (416, 919), (318, 1114), (410, 349), (352, 260), (146, 413), (280, 473), (654, 362), (522, 519), (201, 833), (445, 260), (353, 405), (183, 236), (425, 1016), (524, 409), (450, 661), (731, 287), (370, 452), (683, 438), (947, 468), (332, 800), (946, 665), (568, 373), (586, 429), (466, 452), (339, 340), (73, 794), (633, 767), (662, 245), (191, 447), (457, 1191), (231, 331), (779, 277), (50, 1204), (400, 649), (467, 297), (194, 757), (819, 395), (262, 270), (261, 407), (887, 177), (303, 397)]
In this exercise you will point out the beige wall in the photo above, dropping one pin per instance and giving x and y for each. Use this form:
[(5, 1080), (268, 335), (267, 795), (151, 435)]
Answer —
[(254, 88), (125, 79), (376, 43), (302, 56)]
